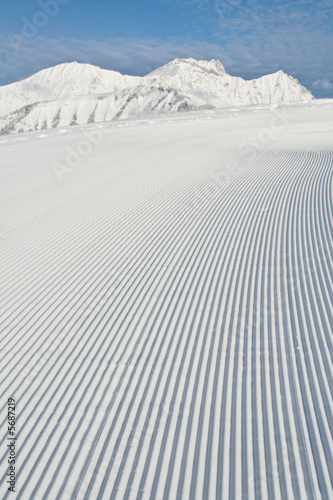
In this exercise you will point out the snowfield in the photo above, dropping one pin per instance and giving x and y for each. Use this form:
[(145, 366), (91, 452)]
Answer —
[(167, 306)]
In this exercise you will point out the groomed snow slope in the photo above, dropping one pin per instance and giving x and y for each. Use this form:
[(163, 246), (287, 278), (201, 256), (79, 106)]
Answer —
[(76, 94), (167, 308)]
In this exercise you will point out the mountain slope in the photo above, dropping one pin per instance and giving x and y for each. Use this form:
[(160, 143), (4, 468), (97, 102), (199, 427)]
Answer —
[(73, 93)]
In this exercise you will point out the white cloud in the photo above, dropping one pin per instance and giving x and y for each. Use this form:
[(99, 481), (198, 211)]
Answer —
[(323, 84)]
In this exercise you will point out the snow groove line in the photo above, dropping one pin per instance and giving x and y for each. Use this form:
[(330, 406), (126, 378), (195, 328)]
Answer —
[(321, 307), (120, 222), (225, 433), (290, 457), (47, 276), (311, 376), (160, 241), (138, 166), (171, 461), (236, 318), (246, 315), (304, 408), (251, 239), (138, 231), (169, 320), (74, 203)]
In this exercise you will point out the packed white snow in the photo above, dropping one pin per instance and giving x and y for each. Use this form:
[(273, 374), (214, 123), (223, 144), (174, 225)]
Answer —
[(167, 307)]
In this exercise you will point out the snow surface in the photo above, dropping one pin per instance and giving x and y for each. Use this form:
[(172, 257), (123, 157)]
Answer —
[(72, 94), (167, 306)]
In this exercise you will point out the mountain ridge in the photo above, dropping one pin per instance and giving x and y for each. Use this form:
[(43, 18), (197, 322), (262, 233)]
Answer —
[(76, 93)]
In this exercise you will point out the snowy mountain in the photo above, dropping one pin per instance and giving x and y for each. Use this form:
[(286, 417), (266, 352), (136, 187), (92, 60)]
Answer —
[(73, 93)]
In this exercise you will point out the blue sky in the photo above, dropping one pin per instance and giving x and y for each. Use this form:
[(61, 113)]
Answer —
[(250, 37)]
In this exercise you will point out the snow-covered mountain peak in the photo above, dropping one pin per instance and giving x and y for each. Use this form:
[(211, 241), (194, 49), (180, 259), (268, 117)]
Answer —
[(188, 66), (69, 80)]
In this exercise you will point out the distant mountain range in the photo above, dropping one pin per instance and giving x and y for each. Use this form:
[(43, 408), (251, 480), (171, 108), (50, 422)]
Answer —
[(72, 93)]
